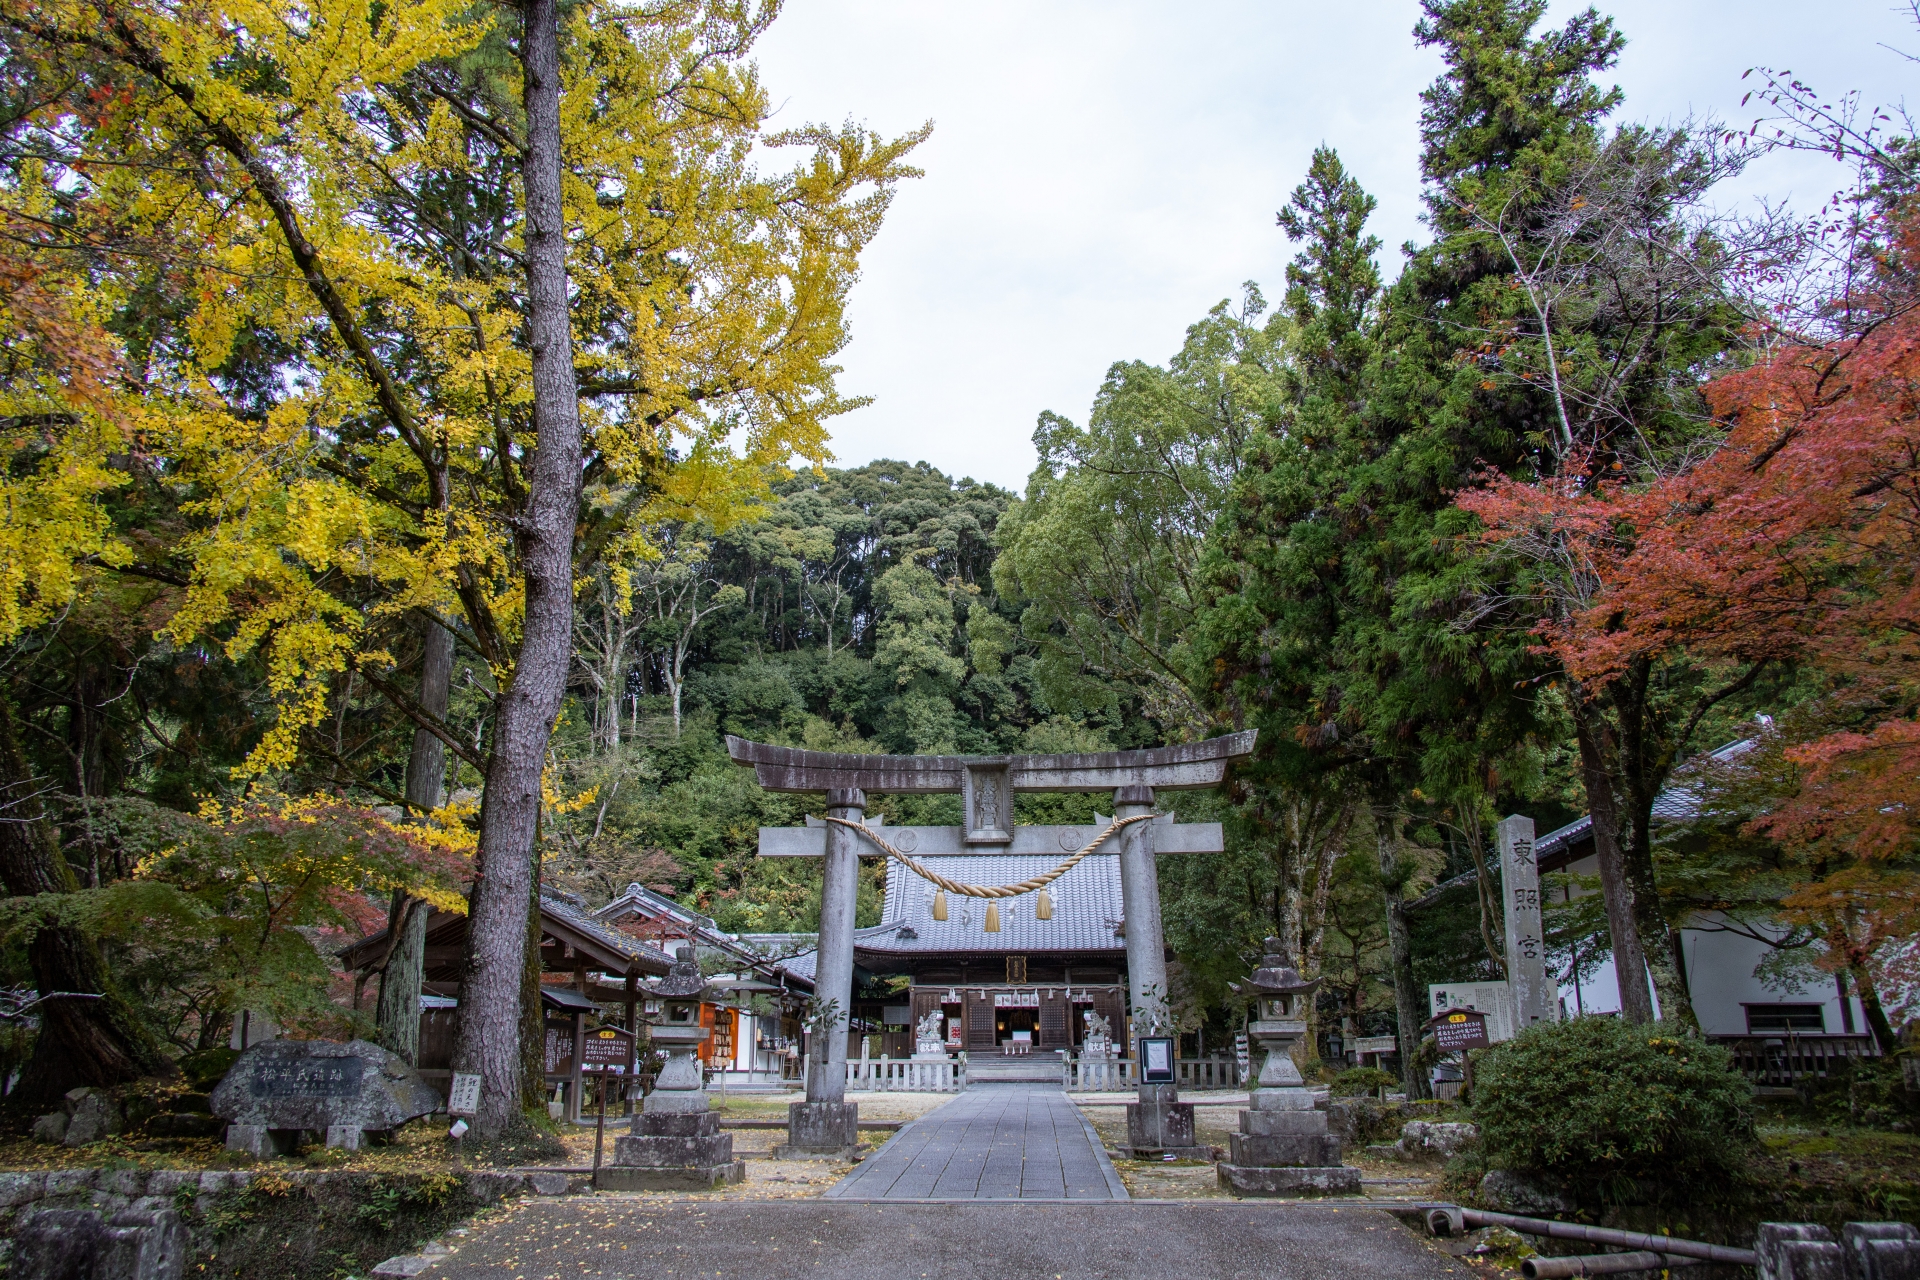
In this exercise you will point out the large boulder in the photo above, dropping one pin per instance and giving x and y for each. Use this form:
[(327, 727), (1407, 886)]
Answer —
[(284, 1087), (1506, 1192), (1435, 1139), (93, 1114)]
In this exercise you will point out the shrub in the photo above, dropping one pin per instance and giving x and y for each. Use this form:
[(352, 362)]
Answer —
[(1601, 1100), (206, 1068), (1362, 1080)]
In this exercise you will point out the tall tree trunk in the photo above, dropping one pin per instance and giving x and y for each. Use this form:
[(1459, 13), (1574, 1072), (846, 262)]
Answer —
[(488, 1037), (1409, 1010), (1490, 932), (1616, 889), (533, 1018), (672, 674), (1666, 965), (82, 1041), (398, 1010), (1863, 982)]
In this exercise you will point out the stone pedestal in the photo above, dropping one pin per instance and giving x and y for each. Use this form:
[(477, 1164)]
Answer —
[(259, 1141), (1159, 1124), (820, 1130), (1283, 1147), (675, 1143), (1157, 1129), (672, 1151)]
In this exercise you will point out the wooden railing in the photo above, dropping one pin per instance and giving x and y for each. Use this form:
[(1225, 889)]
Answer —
[(1783, 1060)]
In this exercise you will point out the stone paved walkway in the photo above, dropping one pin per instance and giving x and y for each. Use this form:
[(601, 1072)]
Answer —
[(993, 1142), (609, 1237)]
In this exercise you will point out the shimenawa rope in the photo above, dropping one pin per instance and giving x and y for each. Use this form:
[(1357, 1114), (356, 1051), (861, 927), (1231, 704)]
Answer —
[(991, 891)]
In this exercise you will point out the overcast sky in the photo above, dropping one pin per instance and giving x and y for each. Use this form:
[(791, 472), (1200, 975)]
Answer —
[(1100, 174)]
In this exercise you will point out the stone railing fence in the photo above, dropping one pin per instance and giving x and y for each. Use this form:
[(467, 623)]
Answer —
[(907, 1075), (1097, 1075)]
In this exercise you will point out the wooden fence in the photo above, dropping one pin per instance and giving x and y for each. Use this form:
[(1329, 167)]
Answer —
[(1779, 1062)]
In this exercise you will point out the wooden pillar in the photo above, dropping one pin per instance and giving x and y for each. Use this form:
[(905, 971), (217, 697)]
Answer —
[(633, 1049), (579, 1052)]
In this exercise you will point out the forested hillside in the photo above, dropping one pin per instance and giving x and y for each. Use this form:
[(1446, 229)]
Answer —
[(856, 612)]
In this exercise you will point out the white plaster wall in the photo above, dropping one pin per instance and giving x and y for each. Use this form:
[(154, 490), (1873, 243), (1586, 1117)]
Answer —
[(1720, 974), (1720, 969)]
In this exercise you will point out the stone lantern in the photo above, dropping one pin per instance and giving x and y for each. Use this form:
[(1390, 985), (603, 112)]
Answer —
[(1283, 1147), (675, 1141)]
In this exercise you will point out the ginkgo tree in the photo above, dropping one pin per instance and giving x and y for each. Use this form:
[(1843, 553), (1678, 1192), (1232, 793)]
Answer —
[(339, 365)]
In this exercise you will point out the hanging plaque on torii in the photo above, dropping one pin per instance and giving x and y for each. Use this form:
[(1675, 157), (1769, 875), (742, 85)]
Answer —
[(987, 785)]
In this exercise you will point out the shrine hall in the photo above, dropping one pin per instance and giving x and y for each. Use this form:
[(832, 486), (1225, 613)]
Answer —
[(1023, 989)]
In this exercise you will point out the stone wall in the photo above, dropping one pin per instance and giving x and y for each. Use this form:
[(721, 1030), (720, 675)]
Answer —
[(161, 1224)]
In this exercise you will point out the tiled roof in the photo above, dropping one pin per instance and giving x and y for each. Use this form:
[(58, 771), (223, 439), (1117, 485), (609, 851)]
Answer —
[(558, 909), (1086, 908), (639, 898), (560, 918), (1675, 804), (801, 966)]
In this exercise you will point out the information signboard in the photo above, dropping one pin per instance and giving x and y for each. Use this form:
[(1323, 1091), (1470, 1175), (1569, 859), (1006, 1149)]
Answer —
[(1460, 1029), (463, 1099), (1156, 1060), (606, 1049)]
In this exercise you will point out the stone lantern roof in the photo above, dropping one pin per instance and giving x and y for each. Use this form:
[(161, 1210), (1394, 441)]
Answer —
[(1276, 975), (684, 981)]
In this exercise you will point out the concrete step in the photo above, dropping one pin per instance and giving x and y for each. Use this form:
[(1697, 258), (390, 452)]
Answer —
[(1013, 1070)]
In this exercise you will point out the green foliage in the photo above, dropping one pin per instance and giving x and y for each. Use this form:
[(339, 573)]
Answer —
[(1866, 1092), (205, 1068), (1103, 549), (389, 1199), (223, 912), (1360, 1081), (1601, 1101), (346, 1225), (866, 622)]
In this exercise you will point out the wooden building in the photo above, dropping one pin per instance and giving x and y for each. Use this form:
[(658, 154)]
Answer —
[(590, 975), (754, 1004), (1026, 988)]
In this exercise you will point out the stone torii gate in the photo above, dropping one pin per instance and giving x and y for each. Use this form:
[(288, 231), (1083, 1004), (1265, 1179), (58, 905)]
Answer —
[(826, 1122)]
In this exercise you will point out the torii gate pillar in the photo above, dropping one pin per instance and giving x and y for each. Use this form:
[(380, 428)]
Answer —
[(1158, 1123), (826, 1123)]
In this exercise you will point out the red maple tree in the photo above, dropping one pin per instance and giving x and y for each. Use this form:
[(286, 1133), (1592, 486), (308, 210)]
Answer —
[(1797, 539)]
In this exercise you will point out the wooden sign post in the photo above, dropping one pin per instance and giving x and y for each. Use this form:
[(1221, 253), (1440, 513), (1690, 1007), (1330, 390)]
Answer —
[(603, 1052)]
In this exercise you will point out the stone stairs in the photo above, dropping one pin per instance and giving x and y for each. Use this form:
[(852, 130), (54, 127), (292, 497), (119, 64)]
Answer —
[(1040, 1067)]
